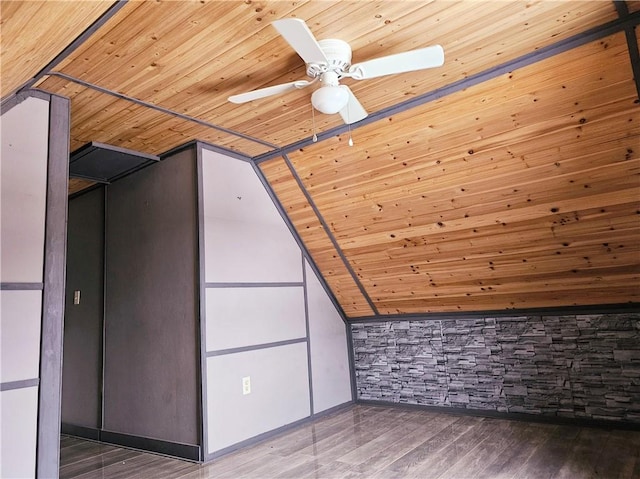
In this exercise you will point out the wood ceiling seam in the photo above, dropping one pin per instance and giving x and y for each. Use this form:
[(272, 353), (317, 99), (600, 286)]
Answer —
[(634, 54), (330, 235), (161, 109), (621, 24), (76, 43)]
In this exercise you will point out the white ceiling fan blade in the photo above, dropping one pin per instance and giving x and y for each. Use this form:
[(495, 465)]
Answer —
[(268, 91), (354, 111), (297, 34), (413, 60)]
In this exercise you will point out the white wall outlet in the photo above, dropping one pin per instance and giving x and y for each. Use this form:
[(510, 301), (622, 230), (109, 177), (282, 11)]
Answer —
[(76, 296), (246, 385)]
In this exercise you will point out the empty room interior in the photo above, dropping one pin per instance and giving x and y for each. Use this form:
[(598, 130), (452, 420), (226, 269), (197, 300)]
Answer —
[(320, 238)]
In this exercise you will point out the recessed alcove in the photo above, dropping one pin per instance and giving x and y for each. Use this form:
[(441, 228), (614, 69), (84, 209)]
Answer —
[(106, 163)]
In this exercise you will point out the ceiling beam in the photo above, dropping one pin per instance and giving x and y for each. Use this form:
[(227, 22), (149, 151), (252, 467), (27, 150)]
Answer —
[(632, 44), (330, 235), (162, 109)]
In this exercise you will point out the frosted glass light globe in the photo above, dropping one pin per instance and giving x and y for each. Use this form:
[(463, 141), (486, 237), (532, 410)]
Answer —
[(330, 99)]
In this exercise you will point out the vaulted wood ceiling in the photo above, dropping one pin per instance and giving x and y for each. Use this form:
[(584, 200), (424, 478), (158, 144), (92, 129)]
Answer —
[(508, 178)]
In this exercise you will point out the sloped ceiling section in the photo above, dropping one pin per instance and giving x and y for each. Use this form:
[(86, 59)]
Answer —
[(34, 32), (461, 206), (508, 178)]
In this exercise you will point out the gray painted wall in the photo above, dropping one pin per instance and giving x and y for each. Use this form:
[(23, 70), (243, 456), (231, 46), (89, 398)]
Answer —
[(151, 328), (574, 366), (82, 364), (247, 316)]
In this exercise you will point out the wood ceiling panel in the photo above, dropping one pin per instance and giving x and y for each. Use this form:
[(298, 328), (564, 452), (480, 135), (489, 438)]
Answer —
[(487, 42), (34, 32), (634, 5), (491, 133), (315, 239), (437, 135), (520, 192), (184, 59), (189, 59), (100, 117)]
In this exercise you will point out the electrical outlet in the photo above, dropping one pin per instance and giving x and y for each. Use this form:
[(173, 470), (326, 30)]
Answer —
[(76, 296), (246, 385)]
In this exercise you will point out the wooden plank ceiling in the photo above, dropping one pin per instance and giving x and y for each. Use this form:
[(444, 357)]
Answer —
[(477, 187), (34, 32)]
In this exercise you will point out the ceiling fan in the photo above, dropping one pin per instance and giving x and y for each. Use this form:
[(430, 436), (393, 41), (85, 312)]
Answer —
[(330, 60)]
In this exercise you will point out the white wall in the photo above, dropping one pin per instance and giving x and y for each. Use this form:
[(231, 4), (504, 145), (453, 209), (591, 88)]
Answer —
[(245, 237), (279, 393), (19, 428), (329, 356), (20, 313), (257, 322), (247, 316), (23, 171), (23, 165)]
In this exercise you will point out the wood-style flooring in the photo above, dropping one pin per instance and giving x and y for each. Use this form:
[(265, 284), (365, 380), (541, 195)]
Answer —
[(378, 442)]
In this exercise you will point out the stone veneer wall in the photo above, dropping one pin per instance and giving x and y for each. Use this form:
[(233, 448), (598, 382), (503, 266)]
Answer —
[(575, 366)]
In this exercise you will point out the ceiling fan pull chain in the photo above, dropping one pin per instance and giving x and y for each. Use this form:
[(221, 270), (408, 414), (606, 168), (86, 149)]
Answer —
[(349, 126), (314, 138)]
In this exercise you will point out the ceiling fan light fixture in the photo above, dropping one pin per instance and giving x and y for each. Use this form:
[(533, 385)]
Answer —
[(329, 60), (330, 99)]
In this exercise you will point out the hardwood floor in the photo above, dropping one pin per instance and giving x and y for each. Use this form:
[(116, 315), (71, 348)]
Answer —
[(379, 443)]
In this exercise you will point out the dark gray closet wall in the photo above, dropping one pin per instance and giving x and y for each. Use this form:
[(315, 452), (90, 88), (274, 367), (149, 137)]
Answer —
[(151, 328), (82, 364)]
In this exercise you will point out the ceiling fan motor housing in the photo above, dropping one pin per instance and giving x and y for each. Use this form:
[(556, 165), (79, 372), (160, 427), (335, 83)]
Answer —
[(338, 53)]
